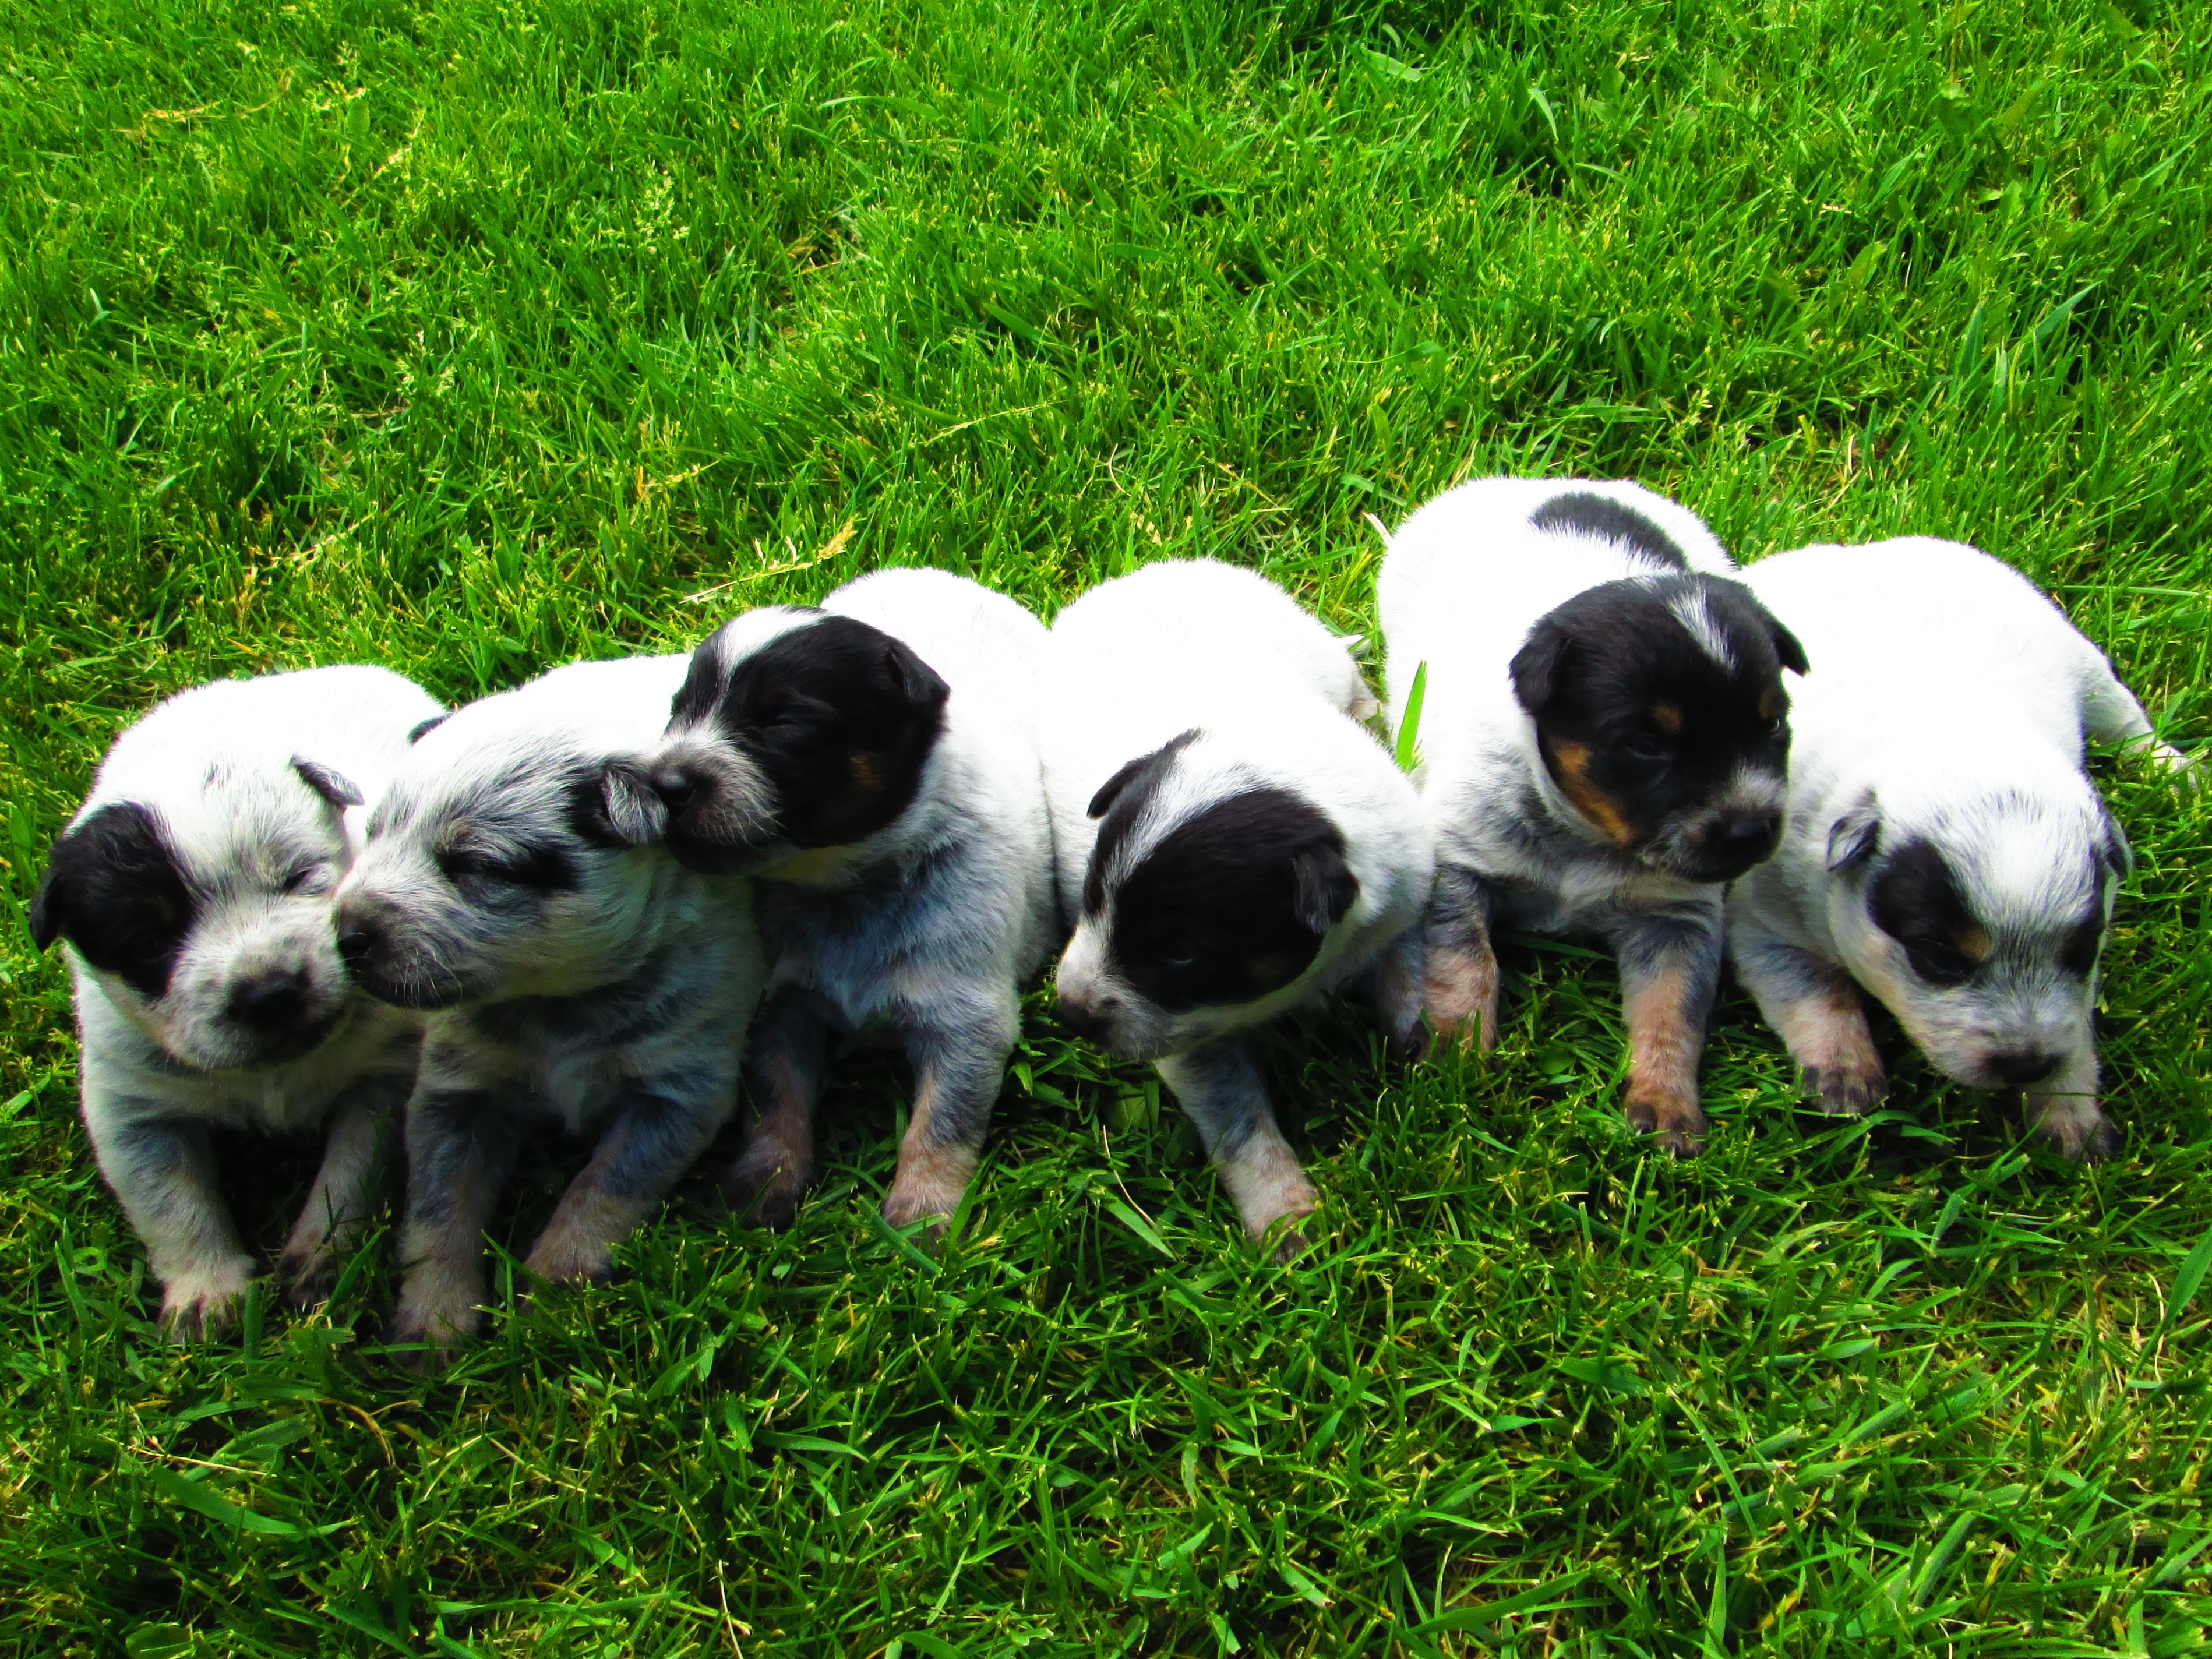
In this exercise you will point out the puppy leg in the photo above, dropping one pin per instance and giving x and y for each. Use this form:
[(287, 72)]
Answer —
[(1821, 1020), (165, 1175), (1461, 969), (2062, 1109), (959, 1058), (2111, 714), (1395, 983), (1670, 968), (1219, 1088), (460, 1149), (653, 1141), (784, 1067), (338, 1205)]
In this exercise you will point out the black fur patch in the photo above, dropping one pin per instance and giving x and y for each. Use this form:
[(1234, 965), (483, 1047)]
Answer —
[(840, 718), (2078, 950), (1917, 901), (113, 890), (1232, 904), (1590, 514), (422, 729), (1597, 673)]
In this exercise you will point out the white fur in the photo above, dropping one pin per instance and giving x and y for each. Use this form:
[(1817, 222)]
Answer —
[(1950, 699), (215, 765)]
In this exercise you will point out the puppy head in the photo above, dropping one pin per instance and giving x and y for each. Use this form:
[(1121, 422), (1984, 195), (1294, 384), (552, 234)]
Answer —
[(1211, 891), (206, 919), (508, 859), (795, 731), (1979, 926), (1661, 718)]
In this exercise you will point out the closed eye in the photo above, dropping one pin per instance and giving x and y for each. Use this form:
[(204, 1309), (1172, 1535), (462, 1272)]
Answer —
[(544, 868), (1650, 749), (312, 875)]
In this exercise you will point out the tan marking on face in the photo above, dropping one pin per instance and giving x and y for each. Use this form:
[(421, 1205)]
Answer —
[(1572, 762), (1771, 704), (867, 770), (1971, 942), (1667, 717)]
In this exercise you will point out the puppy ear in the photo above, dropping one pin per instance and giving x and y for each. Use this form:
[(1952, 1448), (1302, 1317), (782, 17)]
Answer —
[(1148, 767), (617, 806), (1322, 887), (50, 916), (2119, 857), (423, 728), (1852, 838), (1539, 663), (333, 787), (915, 680), (1791, 654)]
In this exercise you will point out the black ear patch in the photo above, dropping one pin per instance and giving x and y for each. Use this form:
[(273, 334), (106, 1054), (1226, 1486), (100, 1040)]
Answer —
[(1855, 835), (333, 787), (1146, 772), (615, 807), (1540, 664), (422, 729), (1592, 514), (113, 890), (1232, 904), (839, 717), (1788, 652)]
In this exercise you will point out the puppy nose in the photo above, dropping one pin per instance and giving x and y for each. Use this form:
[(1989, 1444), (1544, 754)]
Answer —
[(1747, 832), (677, 787), (2021, 1066), (356, 943), (1083, 1019), (270, 1002)]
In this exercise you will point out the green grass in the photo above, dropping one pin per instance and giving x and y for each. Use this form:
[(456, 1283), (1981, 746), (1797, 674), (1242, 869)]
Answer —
[(471, 336)]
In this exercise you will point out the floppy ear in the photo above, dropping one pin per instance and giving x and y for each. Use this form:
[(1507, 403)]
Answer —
[(422, 728), (49, 917), (1852, 838), (1322, 887), (1144, 766), (333, 787), (1791, 654), (2119, 857), (915, 680), (1538, 664), (617, 806)]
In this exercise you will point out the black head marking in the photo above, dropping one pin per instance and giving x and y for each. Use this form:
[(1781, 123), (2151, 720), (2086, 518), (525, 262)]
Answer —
[(333, 787), (1145, 773), (839, 718), (422, 729), (1917, 901), (1233, 903), (1590, 514), (1119, 800), (113, 889)]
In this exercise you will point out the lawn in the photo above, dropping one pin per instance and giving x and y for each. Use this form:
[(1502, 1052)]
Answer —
[(473, 336)]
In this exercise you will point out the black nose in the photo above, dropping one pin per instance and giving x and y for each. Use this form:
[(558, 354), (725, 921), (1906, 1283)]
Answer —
[(272, 1002), (2021, 1066), (1083, 1021), (678, 789), (1747, 832), (355, 943)]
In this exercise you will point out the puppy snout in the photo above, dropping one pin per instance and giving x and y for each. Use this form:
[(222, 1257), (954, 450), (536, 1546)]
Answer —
[(2018, 1068), (678, 786), (1749, 836), (270, 1002), (1086, 1019), (357, 941)]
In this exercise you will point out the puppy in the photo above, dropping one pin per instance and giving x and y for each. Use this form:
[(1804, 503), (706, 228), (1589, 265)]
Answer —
[(194, 891), (873, 763), (515, 887), (1944, 850), (1231, 845), (1604, 736)]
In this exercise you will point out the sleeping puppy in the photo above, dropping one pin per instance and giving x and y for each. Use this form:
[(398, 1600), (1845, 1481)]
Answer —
[(1603, 736), (194, 891), (513, 886), (873, 764), (1945, 851), (1231, 845)]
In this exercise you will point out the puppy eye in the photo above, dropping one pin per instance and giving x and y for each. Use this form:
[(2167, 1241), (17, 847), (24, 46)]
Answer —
[(1648, 748), (473, 866), (1940, 965), (306, 876)]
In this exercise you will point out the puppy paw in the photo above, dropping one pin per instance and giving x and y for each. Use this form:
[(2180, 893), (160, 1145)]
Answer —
[(436, 1317), (1272, 1207), (765, 1186), (1289, 1242), (1676, 1125), (903, 1209), (202, 1300), (570, 1259), (308, 1276), (1845, 1091), (2086, 1136)]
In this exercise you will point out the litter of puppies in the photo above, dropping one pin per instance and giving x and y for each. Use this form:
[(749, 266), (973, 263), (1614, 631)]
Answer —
[(620, 897)]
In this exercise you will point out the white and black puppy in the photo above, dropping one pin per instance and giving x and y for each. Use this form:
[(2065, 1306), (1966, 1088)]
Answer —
[(194, 889), (515, 884), (873, 762), (1231, 844), (1604, 737), (1944, 850)]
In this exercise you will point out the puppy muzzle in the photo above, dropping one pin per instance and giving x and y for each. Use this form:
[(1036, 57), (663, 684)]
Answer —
[(721, 816), (386, 967)]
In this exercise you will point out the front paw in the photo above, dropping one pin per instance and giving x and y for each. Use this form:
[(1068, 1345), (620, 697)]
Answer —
[(1675, 1122), (1460, 994), (436, 1317), (1846, 1091), (765, 1184), (2075, 1127), (308, 1276), (568, 1258), (202, 1300)]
